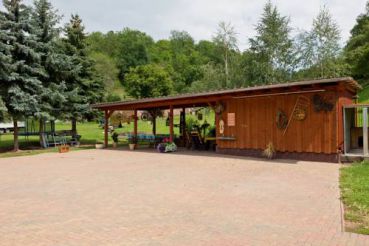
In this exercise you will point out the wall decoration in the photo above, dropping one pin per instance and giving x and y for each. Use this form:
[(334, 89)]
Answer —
[(323, 103), (231, 119), (281, 120), (221, 127), (145, 116), (299, 114), (301, 108), (219, 108)]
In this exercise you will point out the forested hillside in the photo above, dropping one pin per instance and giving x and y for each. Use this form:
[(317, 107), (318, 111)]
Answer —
[(130, 62)]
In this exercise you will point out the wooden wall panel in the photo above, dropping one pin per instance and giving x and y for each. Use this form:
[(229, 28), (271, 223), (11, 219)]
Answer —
[(256, 125), (344, 98)]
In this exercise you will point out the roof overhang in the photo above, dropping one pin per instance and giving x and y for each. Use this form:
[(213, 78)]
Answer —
[(212, 97)]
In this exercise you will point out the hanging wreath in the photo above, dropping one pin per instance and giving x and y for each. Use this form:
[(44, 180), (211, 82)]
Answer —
[(146, 116), (281, 120)]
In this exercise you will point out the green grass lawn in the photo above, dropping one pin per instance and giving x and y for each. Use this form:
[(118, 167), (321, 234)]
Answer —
[(91, 132), (354, 183)]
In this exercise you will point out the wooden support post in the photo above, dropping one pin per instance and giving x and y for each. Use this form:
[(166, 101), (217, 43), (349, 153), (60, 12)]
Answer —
[(365, 132), (216, 123), (171, 118), (154, 125), (106, 126), (135, 125), (184, 122)]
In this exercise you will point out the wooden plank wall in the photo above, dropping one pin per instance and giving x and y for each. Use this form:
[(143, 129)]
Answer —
[(344, 98), (256, 125)]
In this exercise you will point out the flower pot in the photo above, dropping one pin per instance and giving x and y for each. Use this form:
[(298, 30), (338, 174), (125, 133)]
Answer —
[(99, 146), (115, 145), (63, 149), (161, 148), (132, 146)]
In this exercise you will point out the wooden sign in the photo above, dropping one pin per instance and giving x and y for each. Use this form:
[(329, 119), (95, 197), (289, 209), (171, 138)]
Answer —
[(231, 119)]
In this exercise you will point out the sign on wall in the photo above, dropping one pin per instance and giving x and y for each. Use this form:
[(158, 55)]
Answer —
[(231, 119), (221, 127)]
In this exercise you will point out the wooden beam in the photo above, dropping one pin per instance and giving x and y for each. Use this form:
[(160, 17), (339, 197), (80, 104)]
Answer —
[(171, 124), (106, 127), (183, 123), (281, 93)]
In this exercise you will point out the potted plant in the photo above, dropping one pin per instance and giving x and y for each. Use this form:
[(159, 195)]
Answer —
[(161, 147), (132, 142), (269, 152), (115, 136), (170, 147), (166, 146), (99, 145)]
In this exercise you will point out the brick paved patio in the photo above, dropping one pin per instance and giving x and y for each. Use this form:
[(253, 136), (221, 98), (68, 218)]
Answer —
[(108, 197)]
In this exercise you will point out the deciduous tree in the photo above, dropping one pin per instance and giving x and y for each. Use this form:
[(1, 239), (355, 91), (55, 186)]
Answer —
[(148, 81), (271, 48), (319, 48), (226, 41), (357, 48), (133, 50)]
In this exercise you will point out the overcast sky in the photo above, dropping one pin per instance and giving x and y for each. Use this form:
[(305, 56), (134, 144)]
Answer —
[(200, 17)]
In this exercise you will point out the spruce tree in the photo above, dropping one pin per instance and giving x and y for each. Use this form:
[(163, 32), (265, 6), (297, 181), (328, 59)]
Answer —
[(3, 110), (21, 91), (5, 48), (83, 87), (55, 63), (5, 63)]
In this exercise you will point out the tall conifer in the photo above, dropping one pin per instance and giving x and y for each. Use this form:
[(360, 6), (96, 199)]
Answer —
[(21, 91)]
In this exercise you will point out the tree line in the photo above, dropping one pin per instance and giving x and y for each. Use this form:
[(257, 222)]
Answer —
[(49, 70), (277, 53)]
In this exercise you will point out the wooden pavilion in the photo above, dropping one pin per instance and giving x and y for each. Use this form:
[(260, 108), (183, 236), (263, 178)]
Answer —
[(301, 120)]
